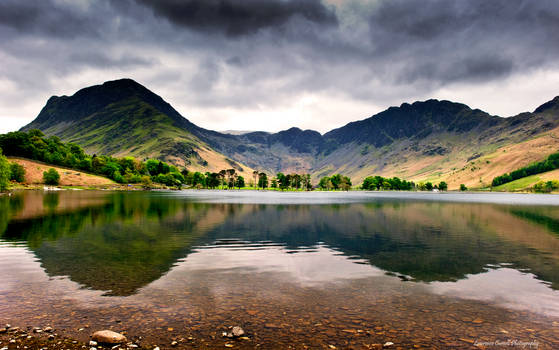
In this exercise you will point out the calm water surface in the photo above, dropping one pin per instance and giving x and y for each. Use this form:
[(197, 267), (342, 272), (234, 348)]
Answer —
[(294, 270)]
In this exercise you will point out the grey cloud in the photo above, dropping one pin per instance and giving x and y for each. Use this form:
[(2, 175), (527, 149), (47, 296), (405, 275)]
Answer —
[(101, 59), (49, 18), (239, 17), (242, 54), (447, 41)]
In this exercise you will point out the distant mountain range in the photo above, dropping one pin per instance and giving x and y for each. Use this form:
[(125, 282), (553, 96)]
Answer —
[(431, 140)]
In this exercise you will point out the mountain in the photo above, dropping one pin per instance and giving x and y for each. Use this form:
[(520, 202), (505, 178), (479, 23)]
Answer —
[(236, 132), (121, 118), (424, 141)]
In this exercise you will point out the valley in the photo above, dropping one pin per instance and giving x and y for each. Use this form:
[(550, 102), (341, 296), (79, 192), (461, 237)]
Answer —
[(424, 141)]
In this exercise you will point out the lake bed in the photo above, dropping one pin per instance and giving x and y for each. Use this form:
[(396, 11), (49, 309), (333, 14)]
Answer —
[(317, 270)]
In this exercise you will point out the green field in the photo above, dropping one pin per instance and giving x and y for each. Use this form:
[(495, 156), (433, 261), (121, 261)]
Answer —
[(519, 185)]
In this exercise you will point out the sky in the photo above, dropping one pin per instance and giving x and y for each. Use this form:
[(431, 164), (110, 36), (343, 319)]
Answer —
[(273, 64)]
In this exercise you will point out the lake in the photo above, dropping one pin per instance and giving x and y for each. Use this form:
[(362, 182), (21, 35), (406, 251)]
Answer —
[(316, 270)]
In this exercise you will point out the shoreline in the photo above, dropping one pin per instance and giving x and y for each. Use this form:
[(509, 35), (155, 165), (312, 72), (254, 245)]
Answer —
[(139, 187)]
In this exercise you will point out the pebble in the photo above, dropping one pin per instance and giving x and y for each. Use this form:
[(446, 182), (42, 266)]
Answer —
[(92, 343), (237, 332), (48, 329), (174, 343), (108, 337), (388, 343), (156, 348)]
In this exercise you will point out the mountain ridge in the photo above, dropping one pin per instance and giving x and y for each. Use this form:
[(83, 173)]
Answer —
[(421, 140)]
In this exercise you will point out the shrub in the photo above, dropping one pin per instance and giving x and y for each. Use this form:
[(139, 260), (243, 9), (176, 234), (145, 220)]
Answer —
[(146, 181), (463, 187), (4, 172), (17, 172), (51, 177), (546, 187), (118, 177)]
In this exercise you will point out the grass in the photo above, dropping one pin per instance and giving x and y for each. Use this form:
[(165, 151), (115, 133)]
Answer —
[(518, 185)]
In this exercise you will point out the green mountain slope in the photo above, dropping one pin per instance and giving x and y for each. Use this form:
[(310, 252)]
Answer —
[(430, 140), (124, 118)]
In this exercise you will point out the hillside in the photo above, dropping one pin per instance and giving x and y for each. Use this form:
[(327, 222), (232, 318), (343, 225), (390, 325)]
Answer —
[(68, 177), (430, 140), (121, 118), (463, 146), (526, 183)]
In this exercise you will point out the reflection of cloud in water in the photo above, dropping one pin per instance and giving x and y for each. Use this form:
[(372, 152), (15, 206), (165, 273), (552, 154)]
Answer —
[(317, 197), (310, 266), (505, 287), (23, 275)]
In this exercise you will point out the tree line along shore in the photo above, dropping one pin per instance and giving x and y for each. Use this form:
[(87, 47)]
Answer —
[(154, 173)]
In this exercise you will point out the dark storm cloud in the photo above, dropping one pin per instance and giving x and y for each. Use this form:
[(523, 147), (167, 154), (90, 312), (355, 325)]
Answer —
[(265, 54), (49, 18), (447, 41), (239, 17)]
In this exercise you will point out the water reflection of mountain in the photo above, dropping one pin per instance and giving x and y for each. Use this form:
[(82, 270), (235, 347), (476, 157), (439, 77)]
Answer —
[(422, 241), (117, 245), (120, 242)]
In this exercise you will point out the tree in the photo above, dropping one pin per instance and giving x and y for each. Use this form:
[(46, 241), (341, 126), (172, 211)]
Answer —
[(325, 183), (146, 181), (443, 186), (345, 183), (4, 172), (255, 176), (283, 181), (51, 177), (336, 180), (463, 187), (296, 181), (213, 180), (546, 187), (240, 182), (118, 177), (429, 186), (222, 174), (17, 172), (308, 184), (231, 175), (262, 180), (198, 179), (368, 183)]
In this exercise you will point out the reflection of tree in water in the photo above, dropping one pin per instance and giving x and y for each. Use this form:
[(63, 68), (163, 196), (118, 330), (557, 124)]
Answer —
[(537, 217), (9, 206), (51, 201), (117, 247), (423, 241), (132, 239)]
